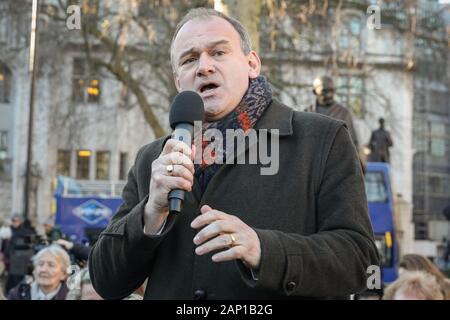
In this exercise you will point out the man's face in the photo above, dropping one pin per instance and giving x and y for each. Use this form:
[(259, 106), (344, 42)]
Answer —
[(47, 227), (208, 58), (325, 97), (16, 222)]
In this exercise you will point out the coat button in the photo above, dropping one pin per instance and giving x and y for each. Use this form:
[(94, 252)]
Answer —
[(199, 294), (291, 286)]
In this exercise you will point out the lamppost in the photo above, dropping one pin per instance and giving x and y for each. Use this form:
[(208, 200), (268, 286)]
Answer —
[(32, 72)]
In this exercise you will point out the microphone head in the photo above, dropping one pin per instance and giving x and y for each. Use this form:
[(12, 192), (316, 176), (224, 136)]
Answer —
[(187, 107)]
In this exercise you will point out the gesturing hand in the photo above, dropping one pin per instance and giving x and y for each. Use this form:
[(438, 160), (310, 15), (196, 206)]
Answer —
[(229, 235)]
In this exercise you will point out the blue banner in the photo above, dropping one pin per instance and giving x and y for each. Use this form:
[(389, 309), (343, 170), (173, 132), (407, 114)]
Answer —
[(75, 214)]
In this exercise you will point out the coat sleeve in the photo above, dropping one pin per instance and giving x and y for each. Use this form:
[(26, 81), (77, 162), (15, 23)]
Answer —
[(332, 262), (121, 259)]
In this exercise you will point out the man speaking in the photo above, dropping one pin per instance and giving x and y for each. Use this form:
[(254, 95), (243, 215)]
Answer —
[(302, 232)]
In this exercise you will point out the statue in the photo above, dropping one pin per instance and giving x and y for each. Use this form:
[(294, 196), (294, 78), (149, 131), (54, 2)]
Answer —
[(323, 89), (379, 144)]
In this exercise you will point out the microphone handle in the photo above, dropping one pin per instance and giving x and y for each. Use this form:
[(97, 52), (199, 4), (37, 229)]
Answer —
[(183, 132)]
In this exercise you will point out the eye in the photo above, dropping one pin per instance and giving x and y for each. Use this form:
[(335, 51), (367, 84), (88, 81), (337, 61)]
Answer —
[(219, 53), (189, 60)]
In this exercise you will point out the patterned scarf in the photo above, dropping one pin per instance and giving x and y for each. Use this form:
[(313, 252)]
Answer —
[(244, 116)]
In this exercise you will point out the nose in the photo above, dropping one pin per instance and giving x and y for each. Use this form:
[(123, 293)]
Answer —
[(43, 268), (205, 65)]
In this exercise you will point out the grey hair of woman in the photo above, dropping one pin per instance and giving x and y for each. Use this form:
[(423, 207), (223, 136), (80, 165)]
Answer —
[(58, 253)]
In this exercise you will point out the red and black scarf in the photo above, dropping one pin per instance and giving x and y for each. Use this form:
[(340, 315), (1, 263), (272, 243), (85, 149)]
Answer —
[(255, 101)]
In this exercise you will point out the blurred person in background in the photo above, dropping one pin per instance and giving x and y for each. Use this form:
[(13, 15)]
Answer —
[(414, 285), (51, 265), (15, 259), (52, 232), (416, 262), (5, 235), (85, 290)]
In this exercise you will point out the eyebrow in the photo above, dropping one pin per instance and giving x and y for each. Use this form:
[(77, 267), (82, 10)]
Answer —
[(209, 46)]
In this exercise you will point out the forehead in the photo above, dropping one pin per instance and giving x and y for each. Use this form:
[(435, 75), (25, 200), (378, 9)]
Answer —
[(47, 257), (200, 32)]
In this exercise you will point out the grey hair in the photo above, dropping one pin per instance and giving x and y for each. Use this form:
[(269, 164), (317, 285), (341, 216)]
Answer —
[(207, 13), (56, 251)]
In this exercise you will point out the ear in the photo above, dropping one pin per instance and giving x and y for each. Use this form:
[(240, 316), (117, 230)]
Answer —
[(176, 80), (255, 65)]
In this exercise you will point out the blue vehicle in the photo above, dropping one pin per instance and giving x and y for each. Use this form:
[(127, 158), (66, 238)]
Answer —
[(382, 215), (82, 213)]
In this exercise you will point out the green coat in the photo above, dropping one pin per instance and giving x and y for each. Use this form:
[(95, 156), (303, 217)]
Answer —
[(311, 218)]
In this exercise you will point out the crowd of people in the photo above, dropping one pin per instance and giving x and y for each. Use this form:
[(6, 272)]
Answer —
[(419, 279), (38, 267), (51, 261)]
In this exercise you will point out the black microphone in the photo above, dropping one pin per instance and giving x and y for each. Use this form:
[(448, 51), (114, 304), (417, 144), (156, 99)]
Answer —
[(186, 108)]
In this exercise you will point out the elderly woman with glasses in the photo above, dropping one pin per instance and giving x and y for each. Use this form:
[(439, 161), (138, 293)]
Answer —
[(51, 265)]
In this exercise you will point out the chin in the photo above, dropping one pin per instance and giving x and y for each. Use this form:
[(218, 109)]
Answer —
[(213, 111), (44, 282)]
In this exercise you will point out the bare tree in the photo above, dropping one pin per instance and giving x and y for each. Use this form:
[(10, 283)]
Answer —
[(131, 40)]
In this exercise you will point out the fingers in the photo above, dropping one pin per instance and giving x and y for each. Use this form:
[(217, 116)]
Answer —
[(173, 145), (178, 171), (234, 253), (167, 183), (176, 158), (179, 156), (214, 229), (208, 217), (219, 242), (205, 209), (224, 231)]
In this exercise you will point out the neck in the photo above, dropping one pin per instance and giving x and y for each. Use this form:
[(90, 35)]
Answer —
[(49, 289)]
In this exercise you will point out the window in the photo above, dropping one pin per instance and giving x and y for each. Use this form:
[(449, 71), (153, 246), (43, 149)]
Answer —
[(63, 163), (350, 93), (83, 163), (437, 128), (102, 166), (434, 183), (85, 86), (438, 139), (375, 187), (350, 35), (439, 102), (438, 147), (438, 185), (5, 83), (123, 167)]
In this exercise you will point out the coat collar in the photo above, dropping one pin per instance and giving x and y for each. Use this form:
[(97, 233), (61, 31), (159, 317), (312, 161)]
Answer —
[(277, 116)]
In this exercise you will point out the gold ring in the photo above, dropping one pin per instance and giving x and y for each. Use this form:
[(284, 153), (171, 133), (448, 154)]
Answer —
[(232, 240), (169, 169)]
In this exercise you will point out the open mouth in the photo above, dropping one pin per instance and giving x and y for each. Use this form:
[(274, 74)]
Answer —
[(208, 87)]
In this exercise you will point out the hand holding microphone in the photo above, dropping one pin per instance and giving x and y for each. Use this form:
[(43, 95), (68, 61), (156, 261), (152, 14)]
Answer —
[(173, 171)]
